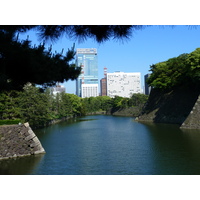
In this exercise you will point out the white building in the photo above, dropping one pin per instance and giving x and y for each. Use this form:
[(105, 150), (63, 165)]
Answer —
[(89, 90), (58, 89), (123, 84)]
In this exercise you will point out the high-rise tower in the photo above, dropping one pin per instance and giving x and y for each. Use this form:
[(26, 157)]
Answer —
[(87, 82)]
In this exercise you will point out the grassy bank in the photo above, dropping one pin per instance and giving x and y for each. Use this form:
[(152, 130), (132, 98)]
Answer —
[(9, 122)]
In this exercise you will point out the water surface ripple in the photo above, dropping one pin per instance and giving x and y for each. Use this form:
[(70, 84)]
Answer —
[(108, 145)]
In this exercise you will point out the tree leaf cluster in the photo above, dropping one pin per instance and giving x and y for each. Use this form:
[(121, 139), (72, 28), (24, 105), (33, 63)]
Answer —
[(135, 100), (183, 70), (99, 33), (105, 103), (39, 108), (21, 63), (94, 104), (36, 107)]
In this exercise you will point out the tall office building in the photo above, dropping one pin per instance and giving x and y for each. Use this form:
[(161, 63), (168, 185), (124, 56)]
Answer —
[(87, 82), (147, 88), (123, 84)]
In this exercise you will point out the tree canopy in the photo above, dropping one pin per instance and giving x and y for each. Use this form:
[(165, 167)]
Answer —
[(99, 33), (21, 63), (182, 70), (39, 108)]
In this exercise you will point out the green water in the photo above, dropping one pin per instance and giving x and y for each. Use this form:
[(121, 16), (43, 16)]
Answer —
[(107, 145)]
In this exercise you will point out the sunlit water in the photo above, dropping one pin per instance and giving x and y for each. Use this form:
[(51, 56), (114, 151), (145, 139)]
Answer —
[(111, 145)]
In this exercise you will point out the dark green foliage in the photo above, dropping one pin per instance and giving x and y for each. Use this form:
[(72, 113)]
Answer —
[(100, 103), (8, 122), (183, 70), (99, 33), (105, 103), (193, 61), (9, 105), (135, 100), (21, 63), (39, 108), (36, 107)]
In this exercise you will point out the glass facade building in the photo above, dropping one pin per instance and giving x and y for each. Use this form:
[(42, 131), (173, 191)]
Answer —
[(87, 59)]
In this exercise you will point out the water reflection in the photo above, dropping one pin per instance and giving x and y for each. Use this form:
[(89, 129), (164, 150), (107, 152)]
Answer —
[(20, 165), (174, 151), (111, 145)]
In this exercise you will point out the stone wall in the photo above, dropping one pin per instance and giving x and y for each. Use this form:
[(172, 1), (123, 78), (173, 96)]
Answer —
[(96, 113), (127, 112), (172, 106), (193, 120), (18, 140)]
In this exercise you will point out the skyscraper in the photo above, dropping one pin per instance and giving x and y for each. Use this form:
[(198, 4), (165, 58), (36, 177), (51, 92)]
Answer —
[(87, 82)]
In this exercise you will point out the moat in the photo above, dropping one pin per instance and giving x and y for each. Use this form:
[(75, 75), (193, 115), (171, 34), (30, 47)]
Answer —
[(108, 145)]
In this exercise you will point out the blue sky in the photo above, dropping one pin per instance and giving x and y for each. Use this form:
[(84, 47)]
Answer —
[(148, 46)]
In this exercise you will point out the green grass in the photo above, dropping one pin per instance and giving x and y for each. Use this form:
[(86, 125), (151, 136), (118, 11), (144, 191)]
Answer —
[(8, 122)]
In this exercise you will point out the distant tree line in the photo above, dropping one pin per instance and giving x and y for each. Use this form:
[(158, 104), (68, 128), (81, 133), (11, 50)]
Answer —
[(183, 70), (36, 107), (39, 108)]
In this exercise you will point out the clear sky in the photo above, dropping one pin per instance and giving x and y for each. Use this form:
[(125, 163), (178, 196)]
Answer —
[(148, 46)]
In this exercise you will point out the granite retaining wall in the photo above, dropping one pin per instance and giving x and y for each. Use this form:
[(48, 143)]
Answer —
[(193, 120), (127, 112), (178, 106), (18, 140)]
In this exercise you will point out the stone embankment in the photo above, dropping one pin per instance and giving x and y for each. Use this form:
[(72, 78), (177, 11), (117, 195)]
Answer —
[(18, 140), (193, 120), (96, 113), (126, 112), (178, 106)]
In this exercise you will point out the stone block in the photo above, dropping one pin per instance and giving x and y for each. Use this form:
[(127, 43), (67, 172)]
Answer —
[(36, 140), (29, 137), (34, 144), (39, 151), (26, 124)]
